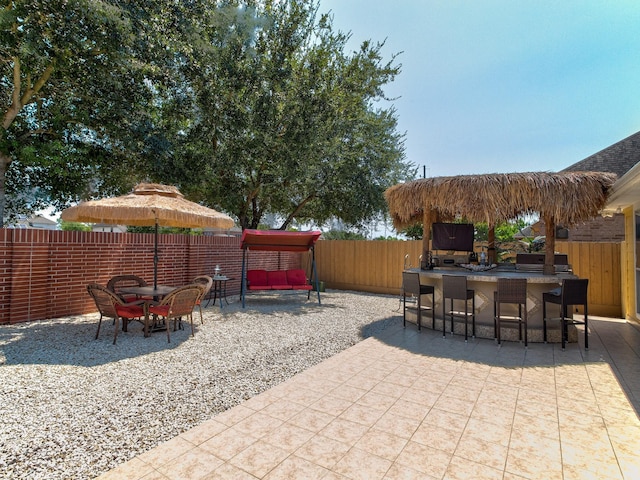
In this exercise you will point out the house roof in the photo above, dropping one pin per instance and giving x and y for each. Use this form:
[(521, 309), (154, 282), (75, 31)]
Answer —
[(40, 220), (618, 158)]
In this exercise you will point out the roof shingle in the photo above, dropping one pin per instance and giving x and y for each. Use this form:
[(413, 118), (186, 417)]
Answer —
[(617, 158)]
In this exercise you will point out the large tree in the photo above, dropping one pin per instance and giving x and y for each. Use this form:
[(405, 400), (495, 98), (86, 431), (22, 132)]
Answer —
[(280, 120), (72, 98), (251, 106)]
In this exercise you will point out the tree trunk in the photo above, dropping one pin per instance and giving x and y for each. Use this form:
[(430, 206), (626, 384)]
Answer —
[(549, 245), (491, 245), (426, 232), (5, 160)]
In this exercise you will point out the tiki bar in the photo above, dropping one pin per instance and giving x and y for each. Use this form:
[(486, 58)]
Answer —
[(461, 291)]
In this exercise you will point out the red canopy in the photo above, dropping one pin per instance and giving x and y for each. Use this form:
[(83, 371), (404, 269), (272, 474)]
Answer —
[(278, 240)]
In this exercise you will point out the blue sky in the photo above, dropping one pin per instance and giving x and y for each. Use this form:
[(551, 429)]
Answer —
[(505, 86)]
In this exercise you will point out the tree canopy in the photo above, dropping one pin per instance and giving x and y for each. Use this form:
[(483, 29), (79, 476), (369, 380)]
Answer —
[(72, 100), (253, 108)]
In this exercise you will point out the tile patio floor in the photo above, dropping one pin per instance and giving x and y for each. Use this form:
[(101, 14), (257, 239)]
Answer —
[(409, 405)]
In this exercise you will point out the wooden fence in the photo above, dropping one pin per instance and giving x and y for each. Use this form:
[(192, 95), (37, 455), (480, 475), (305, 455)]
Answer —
[(376, 266), (45, 273)]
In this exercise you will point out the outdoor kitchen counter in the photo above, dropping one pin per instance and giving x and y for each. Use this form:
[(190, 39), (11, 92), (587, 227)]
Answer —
[(484, 283)]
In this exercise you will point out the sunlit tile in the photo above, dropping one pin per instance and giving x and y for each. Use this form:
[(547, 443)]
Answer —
[(323, 451), (294, 468), (437, 437), (288, 437), (360, 465), (397, 425), (382, 444), (195, 463), (344, 431), (227, 444), (463, 469), (493, 455), (425, 459), (259, 458)]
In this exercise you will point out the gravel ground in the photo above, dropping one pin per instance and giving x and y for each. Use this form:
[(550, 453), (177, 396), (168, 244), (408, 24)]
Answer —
[(75, 407)]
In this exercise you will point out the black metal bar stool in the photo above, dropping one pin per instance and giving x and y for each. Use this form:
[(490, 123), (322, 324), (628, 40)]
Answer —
[(573, 292), (411, 286), (510, 291), (454, 287)]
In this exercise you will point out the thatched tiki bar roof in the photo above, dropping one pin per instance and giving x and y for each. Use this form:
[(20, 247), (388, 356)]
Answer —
[(563, 198)]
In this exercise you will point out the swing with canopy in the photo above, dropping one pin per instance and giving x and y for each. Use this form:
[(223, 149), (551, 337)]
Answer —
[(278, 241)]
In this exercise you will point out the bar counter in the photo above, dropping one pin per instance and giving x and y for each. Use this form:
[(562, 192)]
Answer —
[(484, 283)]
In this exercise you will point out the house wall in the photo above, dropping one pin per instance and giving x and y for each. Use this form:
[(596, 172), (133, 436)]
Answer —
[(44, 273), (598, 229), (628, 262)]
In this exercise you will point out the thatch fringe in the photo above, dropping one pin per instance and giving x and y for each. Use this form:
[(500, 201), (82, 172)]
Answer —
[(568, 197), (148, 203)]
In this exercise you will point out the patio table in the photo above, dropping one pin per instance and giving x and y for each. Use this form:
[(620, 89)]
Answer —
[(149, 291), (157, 294), (219, 289)]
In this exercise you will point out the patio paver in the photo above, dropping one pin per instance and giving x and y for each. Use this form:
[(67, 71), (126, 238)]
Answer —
[(410, 404)]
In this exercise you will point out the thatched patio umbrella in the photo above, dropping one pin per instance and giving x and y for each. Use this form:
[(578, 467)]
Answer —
[(565, 198), (150, 204)]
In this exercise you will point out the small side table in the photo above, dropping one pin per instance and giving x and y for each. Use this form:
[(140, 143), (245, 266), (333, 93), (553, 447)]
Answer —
[(219, 289)]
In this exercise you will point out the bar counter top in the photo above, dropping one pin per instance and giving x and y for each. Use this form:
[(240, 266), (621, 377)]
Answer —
[(493, 274)]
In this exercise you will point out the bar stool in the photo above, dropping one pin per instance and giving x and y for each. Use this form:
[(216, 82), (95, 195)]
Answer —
[(411, 285), (513, 291), (454, 287), (572, 292)]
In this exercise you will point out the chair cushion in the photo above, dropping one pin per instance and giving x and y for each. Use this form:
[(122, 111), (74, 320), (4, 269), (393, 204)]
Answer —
[(257, 278), (130, 311), (296, 277), (284, 286), (162, 310), (277, 279)]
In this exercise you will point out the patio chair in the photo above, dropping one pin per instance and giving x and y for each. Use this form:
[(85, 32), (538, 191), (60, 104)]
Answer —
[(411, 286), (111, 305), (206, 281), (455, 288), (510, 291), (117, 283), (179, 303), (573, 292)]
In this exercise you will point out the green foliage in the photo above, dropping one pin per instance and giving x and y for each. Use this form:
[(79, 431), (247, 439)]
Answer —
[(342, 235), (72, 98), (74, 226), (414, 232), (253, 108), (285, 122), (481, 232), (504, 232)]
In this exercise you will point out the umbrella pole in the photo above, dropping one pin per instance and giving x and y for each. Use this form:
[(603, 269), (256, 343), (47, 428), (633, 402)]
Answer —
[(155, 258)]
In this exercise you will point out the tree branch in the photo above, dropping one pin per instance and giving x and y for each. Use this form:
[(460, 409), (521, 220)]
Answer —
[(295, 211), (30, 92), (17, 101)]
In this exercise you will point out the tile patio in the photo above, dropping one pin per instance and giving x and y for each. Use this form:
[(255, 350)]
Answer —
[(412, 405)]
